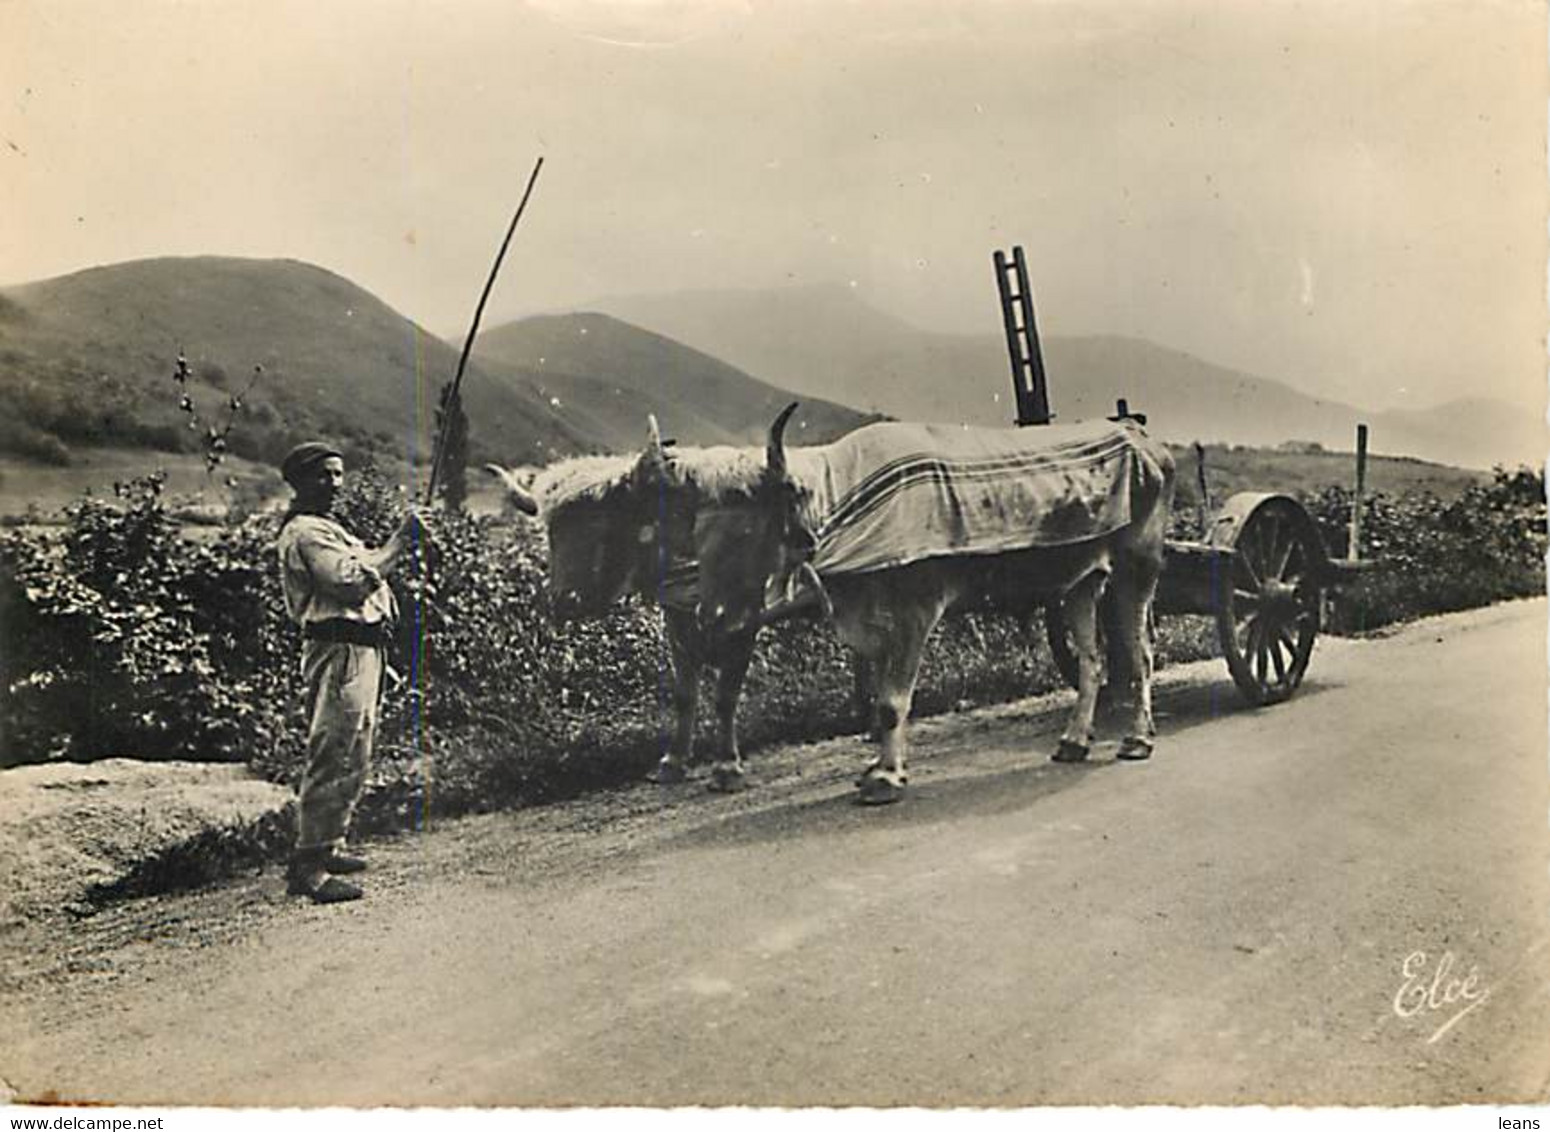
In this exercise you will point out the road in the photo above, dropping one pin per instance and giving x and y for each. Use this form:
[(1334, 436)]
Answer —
[(1276, 909)]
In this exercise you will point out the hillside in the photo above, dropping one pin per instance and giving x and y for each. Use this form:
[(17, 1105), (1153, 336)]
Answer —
[(86, 360), (826, 340), (616, 373), (86, 364), (1229, 470)]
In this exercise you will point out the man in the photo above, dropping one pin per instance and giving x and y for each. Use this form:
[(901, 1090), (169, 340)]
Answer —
[(334, 589)]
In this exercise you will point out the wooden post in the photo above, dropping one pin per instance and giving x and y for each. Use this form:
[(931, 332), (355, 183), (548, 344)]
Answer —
[(1203, 508), (1354, 547)]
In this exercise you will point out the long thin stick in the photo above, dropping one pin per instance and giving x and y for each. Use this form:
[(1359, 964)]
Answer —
[(439, 454)]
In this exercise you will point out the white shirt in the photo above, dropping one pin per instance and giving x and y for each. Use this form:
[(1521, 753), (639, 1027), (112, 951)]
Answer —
[(325, 577)]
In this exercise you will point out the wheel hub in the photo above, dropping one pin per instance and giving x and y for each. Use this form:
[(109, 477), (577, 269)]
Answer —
[(1282, 600)]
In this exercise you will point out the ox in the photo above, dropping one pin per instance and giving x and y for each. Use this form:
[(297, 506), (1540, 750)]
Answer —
[(622, 525), (1066, 523)]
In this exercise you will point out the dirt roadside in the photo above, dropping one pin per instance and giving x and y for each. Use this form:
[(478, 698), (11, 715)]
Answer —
[(55, 968)]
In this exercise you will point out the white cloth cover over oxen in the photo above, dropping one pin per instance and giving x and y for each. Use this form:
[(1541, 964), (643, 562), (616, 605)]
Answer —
[(890, 494)]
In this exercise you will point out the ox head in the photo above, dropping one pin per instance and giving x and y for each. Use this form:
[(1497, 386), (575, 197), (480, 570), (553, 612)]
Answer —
[(590, 523), (618, 533), (749, 539), (667, 504), (591, 555)]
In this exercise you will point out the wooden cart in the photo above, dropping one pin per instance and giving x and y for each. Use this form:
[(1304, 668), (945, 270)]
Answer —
[(1261, 569)]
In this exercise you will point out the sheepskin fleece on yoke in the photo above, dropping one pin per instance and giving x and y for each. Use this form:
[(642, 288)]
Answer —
[(890, 494), (579, 478)]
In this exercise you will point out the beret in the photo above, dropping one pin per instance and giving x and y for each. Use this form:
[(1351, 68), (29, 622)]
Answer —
[(304, 457)]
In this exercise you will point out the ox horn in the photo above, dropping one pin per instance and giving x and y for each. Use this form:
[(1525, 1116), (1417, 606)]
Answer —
[(775, 454), (515, 492), (656, 451), (810, 576)]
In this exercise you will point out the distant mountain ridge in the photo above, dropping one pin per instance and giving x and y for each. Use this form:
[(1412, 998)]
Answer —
[(813, 339), (86, 361), (617, 373)]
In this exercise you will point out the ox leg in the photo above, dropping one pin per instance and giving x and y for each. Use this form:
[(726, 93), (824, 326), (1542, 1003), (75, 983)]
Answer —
[(1081, 610), (681, 634), (733, 654), (864, 696), (1136, 589), (896, 669)]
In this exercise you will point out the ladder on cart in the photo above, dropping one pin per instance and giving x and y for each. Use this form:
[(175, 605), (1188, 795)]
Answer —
[(1022, 339)]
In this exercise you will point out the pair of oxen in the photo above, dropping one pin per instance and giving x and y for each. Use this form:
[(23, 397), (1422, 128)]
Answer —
[(723, 540)]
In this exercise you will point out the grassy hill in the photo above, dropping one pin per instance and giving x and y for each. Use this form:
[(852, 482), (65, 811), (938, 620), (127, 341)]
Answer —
[(86, 364), (1233, 469), (86, 360)]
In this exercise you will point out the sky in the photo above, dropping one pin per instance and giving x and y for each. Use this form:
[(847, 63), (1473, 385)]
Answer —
[(1347, 196)]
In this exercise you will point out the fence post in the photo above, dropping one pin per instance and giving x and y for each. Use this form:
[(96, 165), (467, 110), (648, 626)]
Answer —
[(1354, 544)]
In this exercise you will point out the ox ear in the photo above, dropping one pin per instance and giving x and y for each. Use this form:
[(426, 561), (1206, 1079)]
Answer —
[(775, 454)]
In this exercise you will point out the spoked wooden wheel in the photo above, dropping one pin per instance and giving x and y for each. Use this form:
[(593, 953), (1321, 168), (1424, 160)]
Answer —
[(1267, 614)]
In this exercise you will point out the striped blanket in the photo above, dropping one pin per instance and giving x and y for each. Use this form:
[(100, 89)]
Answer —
[(890, 494)]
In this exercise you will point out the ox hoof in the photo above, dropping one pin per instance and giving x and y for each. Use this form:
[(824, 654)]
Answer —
[(1069, 752), (1133, 749), (726, 780), (667, 773), (876, 790)]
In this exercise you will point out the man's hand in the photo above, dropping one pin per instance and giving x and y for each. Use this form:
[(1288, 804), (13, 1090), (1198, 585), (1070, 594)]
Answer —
[(413, 531), (413, 528)]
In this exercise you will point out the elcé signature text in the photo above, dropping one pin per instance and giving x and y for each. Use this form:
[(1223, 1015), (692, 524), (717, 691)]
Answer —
[(1444, 989)]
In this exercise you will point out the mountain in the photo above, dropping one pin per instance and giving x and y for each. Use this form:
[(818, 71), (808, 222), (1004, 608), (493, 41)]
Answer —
[(1479, 431), (87, 363), (87, 359), (615, 374), (826, 340), (815, 340)]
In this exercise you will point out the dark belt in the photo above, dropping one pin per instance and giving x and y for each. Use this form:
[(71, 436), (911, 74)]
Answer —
[(342, 632)]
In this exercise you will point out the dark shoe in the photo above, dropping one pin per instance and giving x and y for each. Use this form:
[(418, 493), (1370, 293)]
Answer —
[(321, 888), (304, 872), (300, 884), (340, 865), (334, 891)]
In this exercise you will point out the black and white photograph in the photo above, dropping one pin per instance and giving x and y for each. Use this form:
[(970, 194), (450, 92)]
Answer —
[(780, 555)]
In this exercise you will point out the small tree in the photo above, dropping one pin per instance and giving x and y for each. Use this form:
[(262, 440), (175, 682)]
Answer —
[(452, 429)]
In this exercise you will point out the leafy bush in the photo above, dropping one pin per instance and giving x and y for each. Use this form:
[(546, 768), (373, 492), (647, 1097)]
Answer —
[(1435, 556), (123, 638)]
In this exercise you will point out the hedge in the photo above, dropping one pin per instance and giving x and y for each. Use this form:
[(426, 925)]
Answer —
[(124, 635)]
